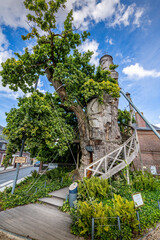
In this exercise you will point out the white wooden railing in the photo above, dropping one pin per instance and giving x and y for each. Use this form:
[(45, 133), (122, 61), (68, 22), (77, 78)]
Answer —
[(116, 160)]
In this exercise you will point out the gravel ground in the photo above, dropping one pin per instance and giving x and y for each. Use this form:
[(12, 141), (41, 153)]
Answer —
[(154, 235), (7, 236)]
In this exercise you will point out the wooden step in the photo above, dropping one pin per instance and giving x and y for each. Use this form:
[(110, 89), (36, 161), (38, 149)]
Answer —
[(62, 193), (56, 202)]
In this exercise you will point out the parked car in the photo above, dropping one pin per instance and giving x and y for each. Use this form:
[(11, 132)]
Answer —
[(52, 166), (37, 164)]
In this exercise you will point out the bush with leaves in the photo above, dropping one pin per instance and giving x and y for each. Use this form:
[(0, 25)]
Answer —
[(35, 174), (94, 187), (106, 225), (146, 182), (57, 173)]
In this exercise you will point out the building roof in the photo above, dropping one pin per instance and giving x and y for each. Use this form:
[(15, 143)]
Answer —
[(3, 140), (1, 129), (147, 128)]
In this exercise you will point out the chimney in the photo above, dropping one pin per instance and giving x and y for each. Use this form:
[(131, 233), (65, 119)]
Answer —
[(140, 122), (130, 109), (105, 62)]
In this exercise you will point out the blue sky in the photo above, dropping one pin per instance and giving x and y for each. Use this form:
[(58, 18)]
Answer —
[(129, 30)]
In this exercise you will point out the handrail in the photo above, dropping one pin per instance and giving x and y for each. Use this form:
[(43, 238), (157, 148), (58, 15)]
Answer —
[(129, 149)]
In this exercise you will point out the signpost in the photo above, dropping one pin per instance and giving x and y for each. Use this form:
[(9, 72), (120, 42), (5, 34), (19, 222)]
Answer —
[(153, 170), (18, 166), (20, 160), (138, 201)]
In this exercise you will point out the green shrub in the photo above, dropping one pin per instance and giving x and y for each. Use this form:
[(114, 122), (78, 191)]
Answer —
[(106, 225), (57, 173), (35, 174), (94, 187), (146, 182)]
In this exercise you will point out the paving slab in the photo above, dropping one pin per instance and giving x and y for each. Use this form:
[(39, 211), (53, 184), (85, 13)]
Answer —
[(62, 193), (37, 221), (58, 202)]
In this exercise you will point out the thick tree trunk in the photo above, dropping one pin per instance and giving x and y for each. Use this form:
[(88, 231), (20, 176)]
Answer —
[(104, 131), (101, 132), (99, 127)]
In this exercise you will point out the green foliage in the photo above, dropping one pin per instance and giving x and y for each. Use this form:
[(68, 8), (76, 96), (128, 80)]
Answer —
[(113, 205), (35, 174), (94, 187), (106, 226), (100, 82), (146, 182), (3, 137), (66, 207), (113, 66), (57, 173), (52, 48), (41, 125), (31, 189), (56, 56), (123, 120)]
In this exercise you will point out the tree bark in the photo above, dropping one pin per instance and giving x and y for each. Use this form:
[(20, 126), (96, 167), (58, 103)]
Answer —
[(98, 127), (104, 131), (41, 166)]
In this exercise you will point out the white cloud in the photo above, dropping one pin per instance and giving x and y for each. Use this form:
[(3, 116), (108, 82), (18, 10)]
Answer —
[(109, 40), (112, 12), (119, 54), (11, 94), (4, 55), (138, 16), (127, 60), (138, 71), (2, 114), (122, 15), (158, 125), (91, 46), (3, 41), (40, 86), (103, 11), (13, 13)]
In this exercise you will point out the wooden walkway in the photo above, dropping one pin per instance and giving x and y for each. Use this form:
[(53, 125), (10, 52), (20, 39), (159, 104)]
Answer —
[(38, 222)]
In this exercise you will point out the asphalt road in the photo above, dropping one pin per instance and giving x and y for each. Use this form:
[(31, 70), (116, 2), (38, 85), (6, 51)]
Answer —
[(9, 176)]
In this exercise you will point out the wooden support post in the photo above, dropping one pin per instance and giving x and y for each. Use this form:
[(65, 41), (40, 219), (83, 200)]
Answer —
[(89, 173), (127, 170), (77, 156)]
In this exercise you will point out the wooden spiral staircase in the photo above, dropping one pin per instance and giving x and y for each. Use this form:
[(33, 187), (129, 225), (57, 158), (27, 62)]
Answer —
[(116, 160)]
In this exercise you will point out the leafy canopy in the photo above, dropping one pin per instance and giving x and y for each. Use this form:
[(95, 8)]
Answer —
[(40, 124), (55, 54)]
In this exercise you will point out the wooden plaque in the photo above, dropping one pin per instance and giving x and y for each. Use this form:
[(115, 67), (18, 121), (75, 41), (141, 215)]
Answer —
[(20, 159)]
